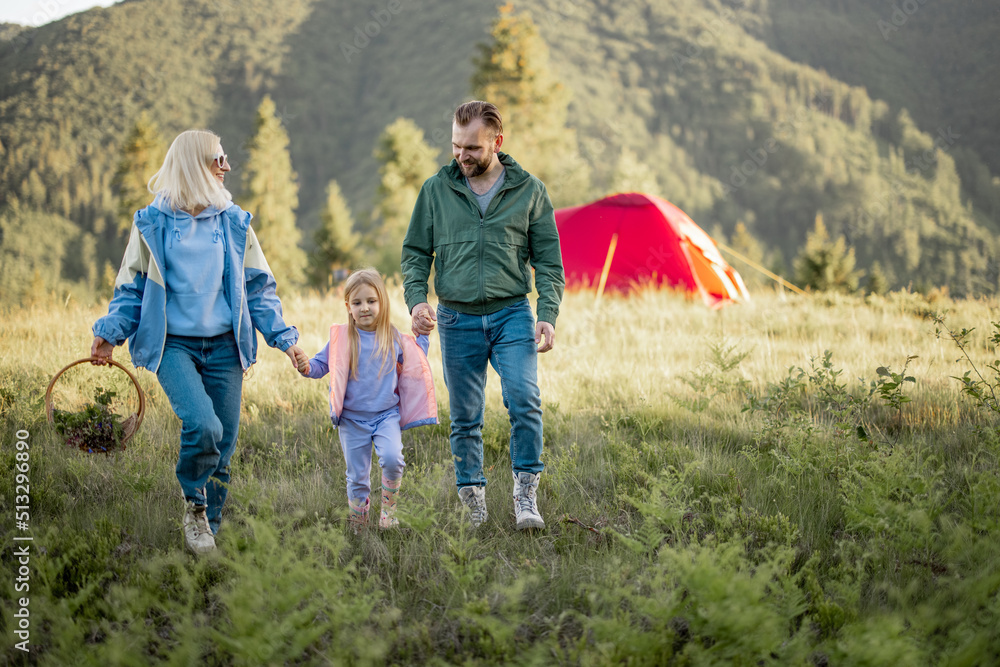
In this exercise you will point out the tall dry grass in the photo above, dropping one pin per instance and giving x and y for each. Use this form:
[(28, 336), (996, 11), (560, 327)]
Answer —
[(703, 505)]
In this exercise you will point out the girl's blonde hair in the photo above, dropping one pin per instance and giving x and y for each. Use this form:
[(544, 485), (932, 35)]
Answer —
[(385, 333), (185, 179)]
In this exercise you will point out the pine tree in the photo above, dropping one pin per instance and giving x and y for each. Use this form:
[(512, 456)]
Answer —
[(631, 175), (406, 161), (34, 263), (142, 156), (271, 194), (750, 247), (825, 266), (513, 73), (335, 242), (877, 282)]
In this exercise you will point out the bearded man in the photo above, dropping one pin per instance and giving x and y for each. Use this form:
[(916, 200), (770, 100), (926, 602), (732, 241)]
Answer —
[(484, 223)]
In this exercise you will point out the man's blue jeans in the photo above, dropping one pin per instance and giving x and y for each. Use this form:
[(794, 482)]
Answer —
[(203, 379), (505, 339)]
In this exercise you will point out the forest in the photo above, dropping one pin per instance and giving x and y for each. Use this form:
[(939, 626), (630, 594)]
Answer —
[(865, 128), (798, 479)]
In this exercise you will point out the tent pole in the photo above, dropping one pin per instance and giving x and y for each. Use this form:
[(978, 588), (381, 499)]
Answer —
[(778, 279), (607, 266)]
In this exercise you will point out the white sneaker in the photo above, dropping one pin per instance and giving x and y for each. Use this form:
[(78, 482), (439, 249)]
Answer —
[(474, 498), (197, 533), (525, 503)]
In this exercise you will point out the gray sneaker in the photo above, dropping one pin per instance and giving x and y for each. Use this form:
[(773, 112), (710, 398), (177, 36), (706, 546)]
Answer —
[(525, 502), (197, 533), (474, 498)]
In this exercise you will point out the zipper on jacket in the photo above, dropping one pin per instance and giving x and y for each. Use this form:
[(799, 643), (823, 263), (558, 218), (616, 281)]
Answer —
[(482, 239), (482, 228), (482, 257), (239, 298)]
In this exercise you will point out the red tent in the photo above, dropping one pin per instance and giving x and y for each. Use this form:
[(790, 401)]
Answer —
[(644, 239)]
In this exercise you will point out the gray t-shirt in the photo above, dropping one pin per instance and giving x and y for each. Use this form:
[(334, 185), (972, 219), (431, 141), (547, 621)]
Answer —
[(485, 198)]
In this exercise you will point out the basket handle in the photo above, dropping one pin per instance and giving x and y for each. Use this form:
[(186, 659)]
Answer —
[(131, 376)]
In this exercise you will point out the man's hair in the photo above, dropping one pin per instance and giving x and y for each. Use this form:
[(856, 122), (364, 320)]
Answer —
[(484, 111)]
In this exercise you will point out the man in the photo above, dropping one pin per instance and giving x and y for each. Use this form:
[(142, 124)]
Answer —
[(481, 221)]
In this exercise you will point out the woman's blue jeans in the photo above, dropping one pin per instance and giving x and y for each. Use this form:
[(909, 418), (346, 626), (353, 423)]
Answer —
[(505, 339), (203, 379)]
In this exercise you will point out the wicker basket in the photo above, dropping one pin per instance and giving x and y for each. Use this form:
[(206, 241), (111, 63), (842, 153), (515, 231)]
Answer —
[(130, 425)]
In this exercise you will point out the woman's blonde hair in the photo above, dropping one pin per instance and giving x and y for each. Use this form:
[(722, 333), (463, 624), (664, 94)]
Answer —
[(184, 179), (385, 333)]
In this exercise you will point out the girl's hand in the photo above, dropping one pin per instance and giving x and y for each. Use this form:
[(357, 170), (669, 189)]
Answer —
[(422, 319), (303, 365), (300, 360)]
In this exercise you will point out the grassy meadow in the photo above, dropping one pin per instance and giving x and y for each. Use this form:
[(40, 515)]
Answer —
[(741, 487)]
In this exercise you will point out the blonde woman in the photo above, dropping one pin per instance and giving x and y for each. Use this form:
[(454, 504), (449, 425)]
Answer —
[(192, 289)]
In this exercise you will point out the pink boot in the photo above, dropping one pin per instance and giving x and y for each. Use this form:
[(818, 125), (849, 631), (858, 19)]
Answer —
[(357, 516), (387, 515)]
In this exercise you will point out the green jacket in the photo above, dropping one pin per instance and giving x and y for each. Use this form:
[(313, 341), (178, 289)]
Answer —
[(481, 262)]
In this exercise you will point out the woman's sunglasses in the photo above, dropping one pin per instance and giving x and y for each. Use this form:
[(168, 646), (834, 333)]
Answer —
[(221, 160)]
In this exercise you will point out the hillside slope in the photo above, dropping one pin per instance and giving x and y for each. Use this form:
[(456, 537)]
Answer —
[(710, 96)]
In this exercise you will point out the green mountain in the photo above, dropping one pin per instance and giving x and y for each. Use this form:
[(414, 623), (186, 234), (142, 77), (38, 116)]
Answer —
[(765, 112)]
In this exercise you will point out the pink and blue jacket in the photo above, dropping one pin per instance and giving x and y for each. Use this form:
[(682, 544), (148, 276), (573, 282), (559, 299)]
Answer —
[(414, 382)]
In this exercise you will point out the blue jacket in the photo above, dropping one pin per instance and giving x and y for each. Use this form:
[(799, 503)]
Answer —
[(138, 310)]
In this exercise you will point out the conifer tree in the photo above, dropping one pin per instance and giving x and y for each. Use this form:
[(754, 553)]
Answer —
[(825, 265), (34, 262), (405, 162), (877, 282), (271, 194), (335, 242), (142, 156), (631, 175), (747, 245), (513, 73)]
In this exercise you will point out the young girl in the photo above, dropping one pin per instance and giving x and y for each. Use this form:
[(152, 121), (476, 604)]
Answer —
[(380, 384)]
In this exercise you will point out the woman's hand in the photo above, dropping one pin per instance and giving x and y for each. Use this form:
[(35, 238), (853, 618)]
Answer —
[(102, 350), (299, 359)]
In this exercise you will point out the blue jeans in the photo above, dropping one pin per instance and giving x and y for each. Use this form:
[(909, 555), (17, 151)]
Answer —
[(203, 379), (505, 339), (358, 434)]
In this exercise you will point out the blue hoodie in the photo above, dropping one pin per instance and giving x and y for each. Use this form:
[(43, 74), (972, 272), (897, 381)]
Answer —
[(193, 272), (138, 312)]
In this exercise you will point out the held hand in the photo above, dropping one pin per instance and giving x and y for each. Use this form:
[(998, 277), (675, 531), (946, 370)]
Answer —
[(547, 330), (423, 318), (300, 360), (102, 350), (303, 363)]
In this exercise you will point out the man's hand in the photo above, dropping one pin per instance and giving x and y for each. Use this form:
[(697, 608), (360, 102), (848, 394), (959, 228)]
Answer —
[(102, 351), (299, 359), (549, 332), (423, 319)]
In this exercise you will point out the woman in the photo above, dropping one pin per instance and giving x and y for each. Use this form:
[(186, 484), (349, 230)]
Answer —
[(192, 288)]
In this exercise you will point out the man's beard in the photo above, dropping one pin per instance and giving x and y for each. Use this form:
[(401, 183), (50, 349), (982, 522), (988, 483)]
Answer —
[(477, 168)]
